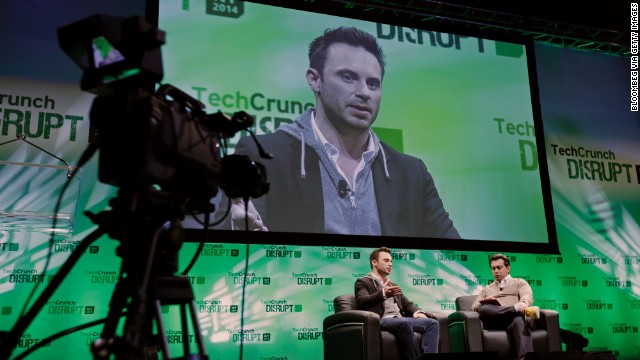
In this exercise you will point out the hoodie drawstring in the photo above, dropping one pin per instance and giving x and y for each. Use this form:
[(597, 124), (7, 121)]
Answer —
[(303, 171), (384, 163)]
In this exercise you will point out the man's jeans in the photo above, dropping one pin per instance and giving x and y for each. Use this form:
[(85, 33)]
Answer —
[(403, 328)]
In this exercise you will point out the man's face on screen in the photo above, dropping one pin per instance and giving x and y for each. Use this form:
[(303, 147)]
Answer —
[(350, 88)]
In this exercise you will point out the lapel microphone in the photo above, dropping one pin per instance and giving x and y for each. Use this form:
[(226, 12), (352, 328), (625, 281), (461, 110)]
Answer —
[(343, 189)]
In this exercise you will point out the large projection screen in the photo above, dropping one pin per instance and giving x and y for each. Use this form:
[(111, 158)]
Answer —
[(465, 106)]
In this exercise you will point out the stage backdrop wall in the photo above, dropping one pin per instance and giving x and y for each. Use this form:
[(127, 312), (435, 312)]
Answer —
[(288, 290)]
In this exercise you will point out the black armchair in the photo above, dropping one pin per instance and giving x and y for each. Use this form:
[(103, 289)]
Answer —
[(352, 334), (466, 333)]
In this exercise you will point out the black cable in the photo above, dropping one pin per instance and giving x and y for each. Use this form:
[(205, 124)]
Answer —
[(244, 275), (86, 155), (60, 334), (10, 141), (200, 246), (10, 338), (219, 221), (206, 227), (69, 172)]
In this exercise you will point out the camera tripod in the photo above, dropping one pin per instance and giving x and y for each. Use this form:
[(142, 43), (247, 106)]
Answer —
[(150, 240)]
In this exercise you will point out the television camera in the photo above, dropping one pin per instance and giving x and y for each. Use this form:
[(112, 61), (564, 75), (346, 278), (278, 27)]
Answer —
[(167, 158)]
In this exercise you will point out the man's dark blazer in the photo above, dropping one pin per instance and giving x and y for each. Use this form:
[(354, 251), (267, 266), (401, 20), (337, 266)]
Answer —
[(371, 298), (408, 202)]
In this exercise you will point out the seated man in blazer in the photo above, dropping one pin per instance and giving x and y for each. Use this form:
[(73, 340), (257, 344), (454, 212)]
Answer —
[(401, 317)]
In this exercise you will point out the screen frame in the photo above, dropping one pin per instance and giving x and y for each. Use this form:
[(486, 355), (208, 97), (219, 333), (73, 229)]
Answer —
[(338, 8)]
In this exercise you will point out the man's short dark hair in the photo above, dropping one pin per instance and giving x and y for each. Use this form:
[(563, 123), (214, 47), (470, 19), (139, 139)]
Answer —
[(319, 47), (495, 257), (374, 255)]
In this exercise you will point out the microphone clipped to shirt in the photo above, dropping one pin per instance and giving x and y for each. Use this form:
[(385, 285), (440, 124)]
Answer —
[(344, 192), (343, 189)]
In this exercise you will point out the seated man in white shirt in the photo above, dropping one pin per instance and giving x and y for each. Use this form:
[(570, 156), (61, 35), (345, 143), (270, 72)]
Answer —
[(514, 312)]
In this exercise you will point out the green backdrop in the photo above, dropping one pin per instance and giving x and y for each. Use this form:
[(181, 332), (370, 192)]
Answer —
[(593, 283)]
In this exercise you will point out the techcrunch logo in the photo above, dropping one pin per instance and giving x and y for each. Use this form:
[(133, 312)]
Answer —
[(330, 305), (586, 164), (23, 122), (65, 246), (446, 304), (6, 246), (24, 276), (215, 306), (305, 333), (68, 307), (445, 255), (103, 276), (578, 328), (634, 304), (6, 310), (248, 335), (473, 280), (571, 281), (548, 259), (274, 251), (280, 306), (90, 336), (532, 282), (177, 337), (595, 304), (358, 275), (616, 282), (527, 147), (592, 259), (255, 101), (218, 250), (193, 280), (402, 255), (70, 246), (27, 341), (248, 278), (551, 304), (435, 39), (425, 280), (340, 253), (631, 259), (311, 279), (623, 328)]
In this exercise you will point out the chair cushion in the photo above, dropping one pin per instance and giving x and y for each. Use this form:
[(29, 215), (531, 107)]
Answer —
[(344, 302), (497, 340)]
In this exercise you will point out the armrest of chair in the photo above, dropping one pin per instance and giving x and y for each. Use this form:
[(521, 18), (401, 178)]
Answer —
[(465, 331), (550, 321), (369, 318), (352, 334), (443, 322)]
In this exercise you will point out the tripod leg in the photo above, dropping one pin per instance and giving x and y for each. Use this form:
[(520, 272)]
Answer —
[(162, 331), (196, 328), (177, 291), (101, 347)]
